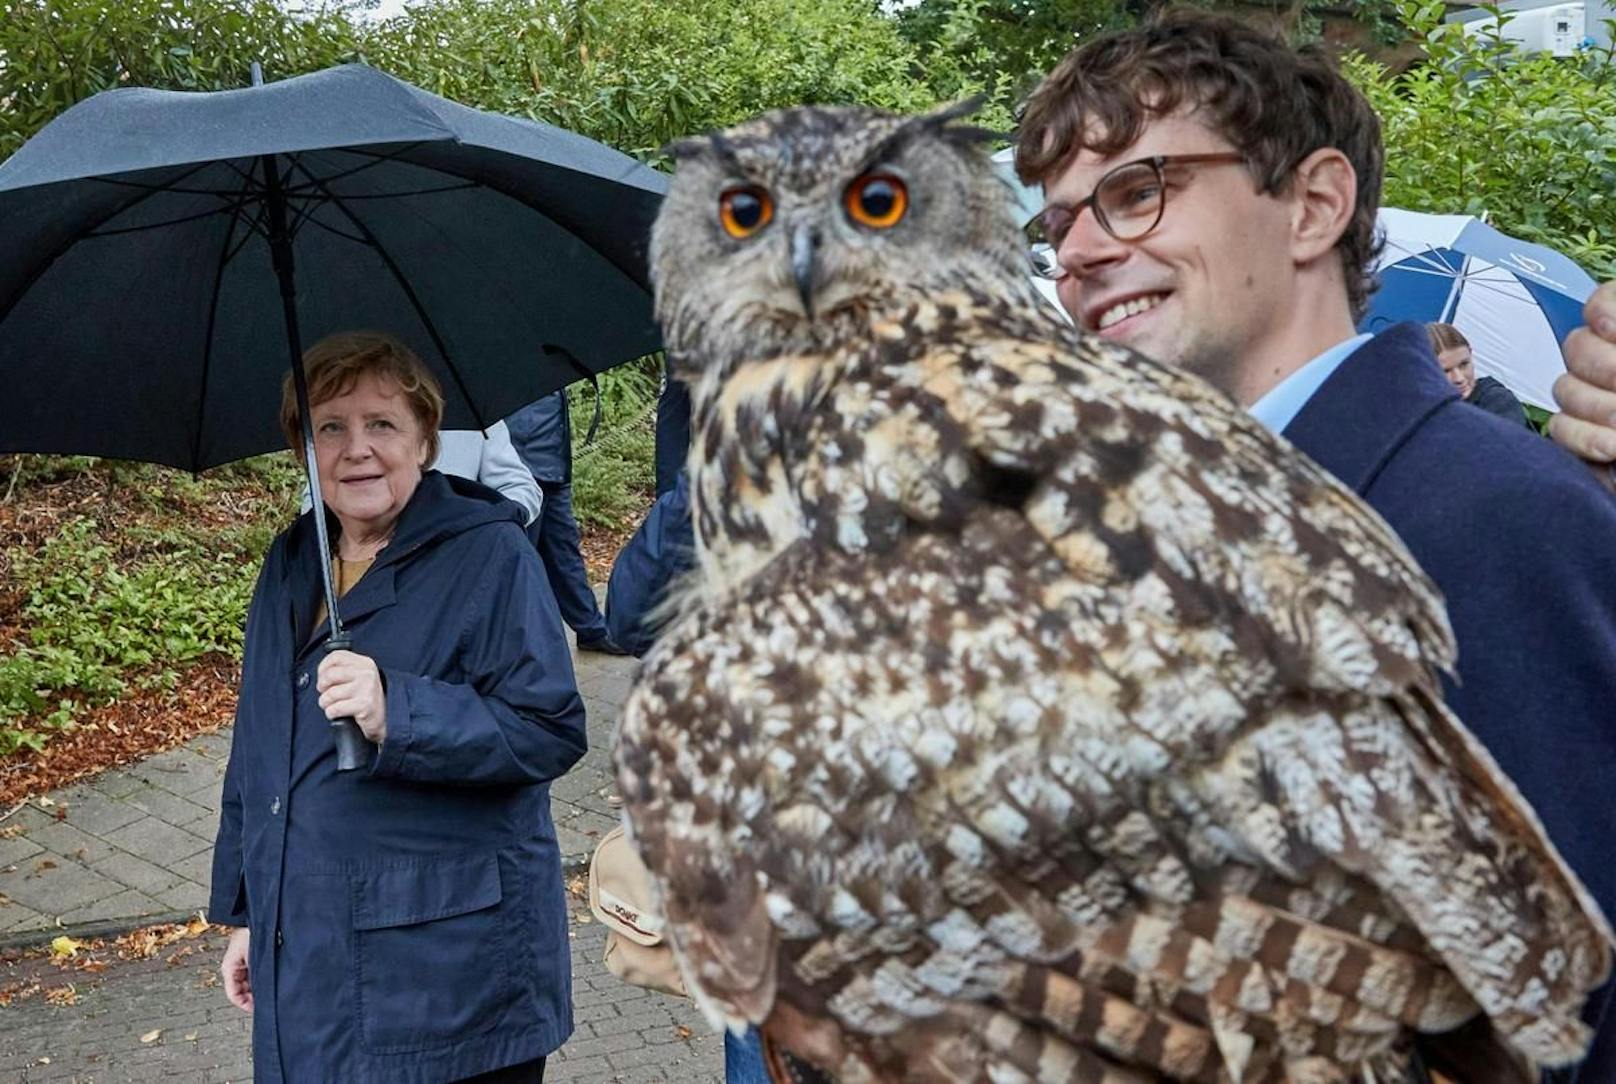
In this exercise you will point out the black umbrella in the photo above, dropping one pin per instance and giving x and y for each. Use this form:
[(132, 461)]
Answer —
[(166, 254)]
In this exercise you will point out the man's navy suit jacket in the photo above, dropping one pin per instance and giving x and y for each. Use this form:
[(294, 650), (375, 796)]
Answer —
[(1521, 539)]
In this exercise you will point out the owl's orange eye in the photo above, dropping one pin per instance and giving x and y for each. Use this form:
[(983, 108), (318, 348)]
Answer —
[(876, 200), (744, 210)]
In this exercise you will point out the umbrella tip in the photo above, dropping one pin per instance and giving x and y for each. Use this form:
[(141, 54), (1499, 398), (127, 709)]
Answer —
[(257, 74)]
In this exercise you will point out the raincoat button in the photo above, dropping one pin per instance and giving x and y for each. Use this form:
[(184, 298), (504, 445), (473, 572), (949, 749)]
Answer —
[(279, 940), (275, 807), (303, 680)]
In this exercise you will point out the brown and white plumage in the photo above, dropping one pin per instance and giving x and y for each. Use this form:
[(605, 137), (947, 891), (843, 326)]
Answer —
[(1033, 713)]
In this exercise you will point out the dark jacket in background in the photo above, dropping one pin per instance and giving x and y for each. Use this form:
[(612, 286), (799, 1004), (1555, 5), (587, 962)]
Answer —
[(1521, 539), (660, 551), (1492, 396), (541, 432), (408, 921), (672, 432)]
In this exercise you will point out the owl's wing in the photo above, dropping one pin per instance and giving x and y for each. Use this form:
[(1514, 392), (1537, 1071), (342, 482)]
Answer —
[(972, 834), (1167, 501)]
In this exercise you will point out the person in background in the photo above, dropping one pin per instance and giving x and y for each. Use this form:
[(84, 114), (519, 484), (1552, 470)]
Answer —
[(1458, 363), (541, 432), (487, 456), (672, 431), (403, 923), (662, 550)]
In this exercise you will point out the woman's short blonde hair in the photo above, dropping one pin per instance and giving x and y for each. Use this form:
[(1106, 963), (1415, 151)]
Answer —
[(1445, 337), (334, 365)]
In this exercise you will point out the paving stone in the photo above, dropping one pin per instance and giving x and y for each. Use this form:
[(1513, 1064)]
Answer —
[(206, 826), (15, 918), (65, 887), (137, 872), (166, 805), (589, 823), (574, 786), (92, 811), (76, 844), (171, 769), (156, 841), (575, 846), (185, 896), (198, 867), (31, 817), (209, 796), (13, 851), (126, 904), (116, 783), (213, 746)]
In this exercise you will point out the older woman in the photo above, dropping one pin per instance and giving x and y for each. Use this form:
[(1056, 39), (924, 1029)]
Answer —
[(405, 922)]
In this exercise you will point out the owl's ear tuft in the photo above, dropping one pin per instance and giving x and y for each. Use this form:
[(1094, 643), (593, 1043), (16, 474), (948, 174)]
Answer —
[(689, 147), (940, 122)]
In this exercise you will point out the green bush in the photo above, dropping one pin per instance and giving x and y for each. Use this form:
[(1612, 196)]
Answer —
[(107, 606), (613, 475), (1480, 128)]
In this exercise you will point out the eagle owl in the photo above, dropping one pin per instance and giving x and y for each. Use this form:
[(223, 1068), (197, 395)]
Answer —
[(1032, 712)]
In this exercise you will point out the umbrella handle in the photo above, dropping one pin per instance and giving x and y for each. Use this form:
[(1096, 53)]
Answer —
[(354, 750)]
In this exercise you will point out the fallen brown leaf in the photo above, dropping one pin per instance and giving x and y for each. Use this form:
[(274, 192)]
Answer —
[(62, 995), (152, 1036), (17, 991)]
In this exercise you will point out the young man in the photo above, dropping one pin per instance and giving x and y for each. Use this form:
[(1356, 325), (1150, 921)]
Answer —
[(1211, 196)]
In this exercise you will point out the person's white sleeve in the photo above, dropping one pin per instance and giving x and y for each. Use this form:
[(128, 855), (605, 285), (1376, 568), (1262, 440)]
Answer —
[(502, 469)]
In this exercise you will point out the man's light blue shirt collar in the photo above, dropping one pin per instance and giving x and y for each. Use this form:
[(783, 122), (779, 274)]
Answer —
[(1286, 399)]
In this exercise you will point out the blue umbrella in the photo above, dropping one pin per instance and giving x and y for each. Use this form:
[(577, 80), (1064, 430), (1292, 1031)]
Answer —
[(1515, 301)]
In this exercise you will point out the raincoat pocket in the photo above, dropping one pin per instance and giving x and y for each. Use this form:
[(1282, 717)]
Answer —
[(428, 953)]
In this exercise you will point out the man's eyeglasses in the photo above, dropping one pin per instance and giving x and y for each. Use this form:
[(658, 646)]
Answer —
[(1128, 203)]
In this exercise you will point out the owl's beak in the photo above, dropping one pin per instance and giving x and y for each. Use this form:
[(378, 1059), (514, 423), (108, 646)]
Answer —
[(804, 243)]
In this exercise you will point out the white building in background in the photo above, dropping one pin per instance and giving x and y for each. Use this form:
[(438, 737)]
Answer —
[(1556, 27)]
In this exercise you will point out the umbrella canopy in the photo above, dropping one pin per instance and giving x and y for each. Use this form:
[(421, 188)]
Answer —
[(141, 314), (1515, 301)]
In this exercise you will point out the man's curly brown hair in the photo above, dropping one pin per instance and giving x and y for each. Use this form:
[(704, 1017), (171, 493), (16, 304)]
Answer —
[(1274, 103)]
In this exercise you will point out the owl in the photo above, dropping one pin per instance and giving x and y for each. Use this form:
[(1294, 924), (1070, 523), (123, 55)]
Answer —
[(1032, 713)]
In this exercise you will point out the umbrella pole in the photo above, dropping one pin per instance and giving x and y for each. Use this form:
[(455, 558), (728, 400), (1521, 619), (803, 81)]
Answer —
[(353, 750)]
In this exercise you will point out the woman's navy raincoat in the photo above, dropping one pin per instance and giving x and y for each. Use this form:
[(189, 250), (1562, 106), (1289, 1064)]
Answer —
[(408, 921)]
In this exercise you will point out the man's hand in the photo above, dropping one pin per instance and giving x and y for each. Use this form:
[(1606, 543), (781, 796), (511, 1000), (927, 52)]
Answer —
[(237, 981), (351, 687), (1587, 391)]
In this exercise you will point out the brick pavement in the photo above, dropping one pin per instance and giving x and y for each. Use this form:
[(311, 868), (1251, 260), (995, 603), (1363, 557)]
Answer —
[(133, 846), (623, 1034)]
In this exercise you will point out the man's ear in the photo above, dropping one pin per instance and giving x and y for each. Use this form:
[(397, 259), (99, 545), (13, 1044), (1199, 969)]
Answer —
[(1324, 194)]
